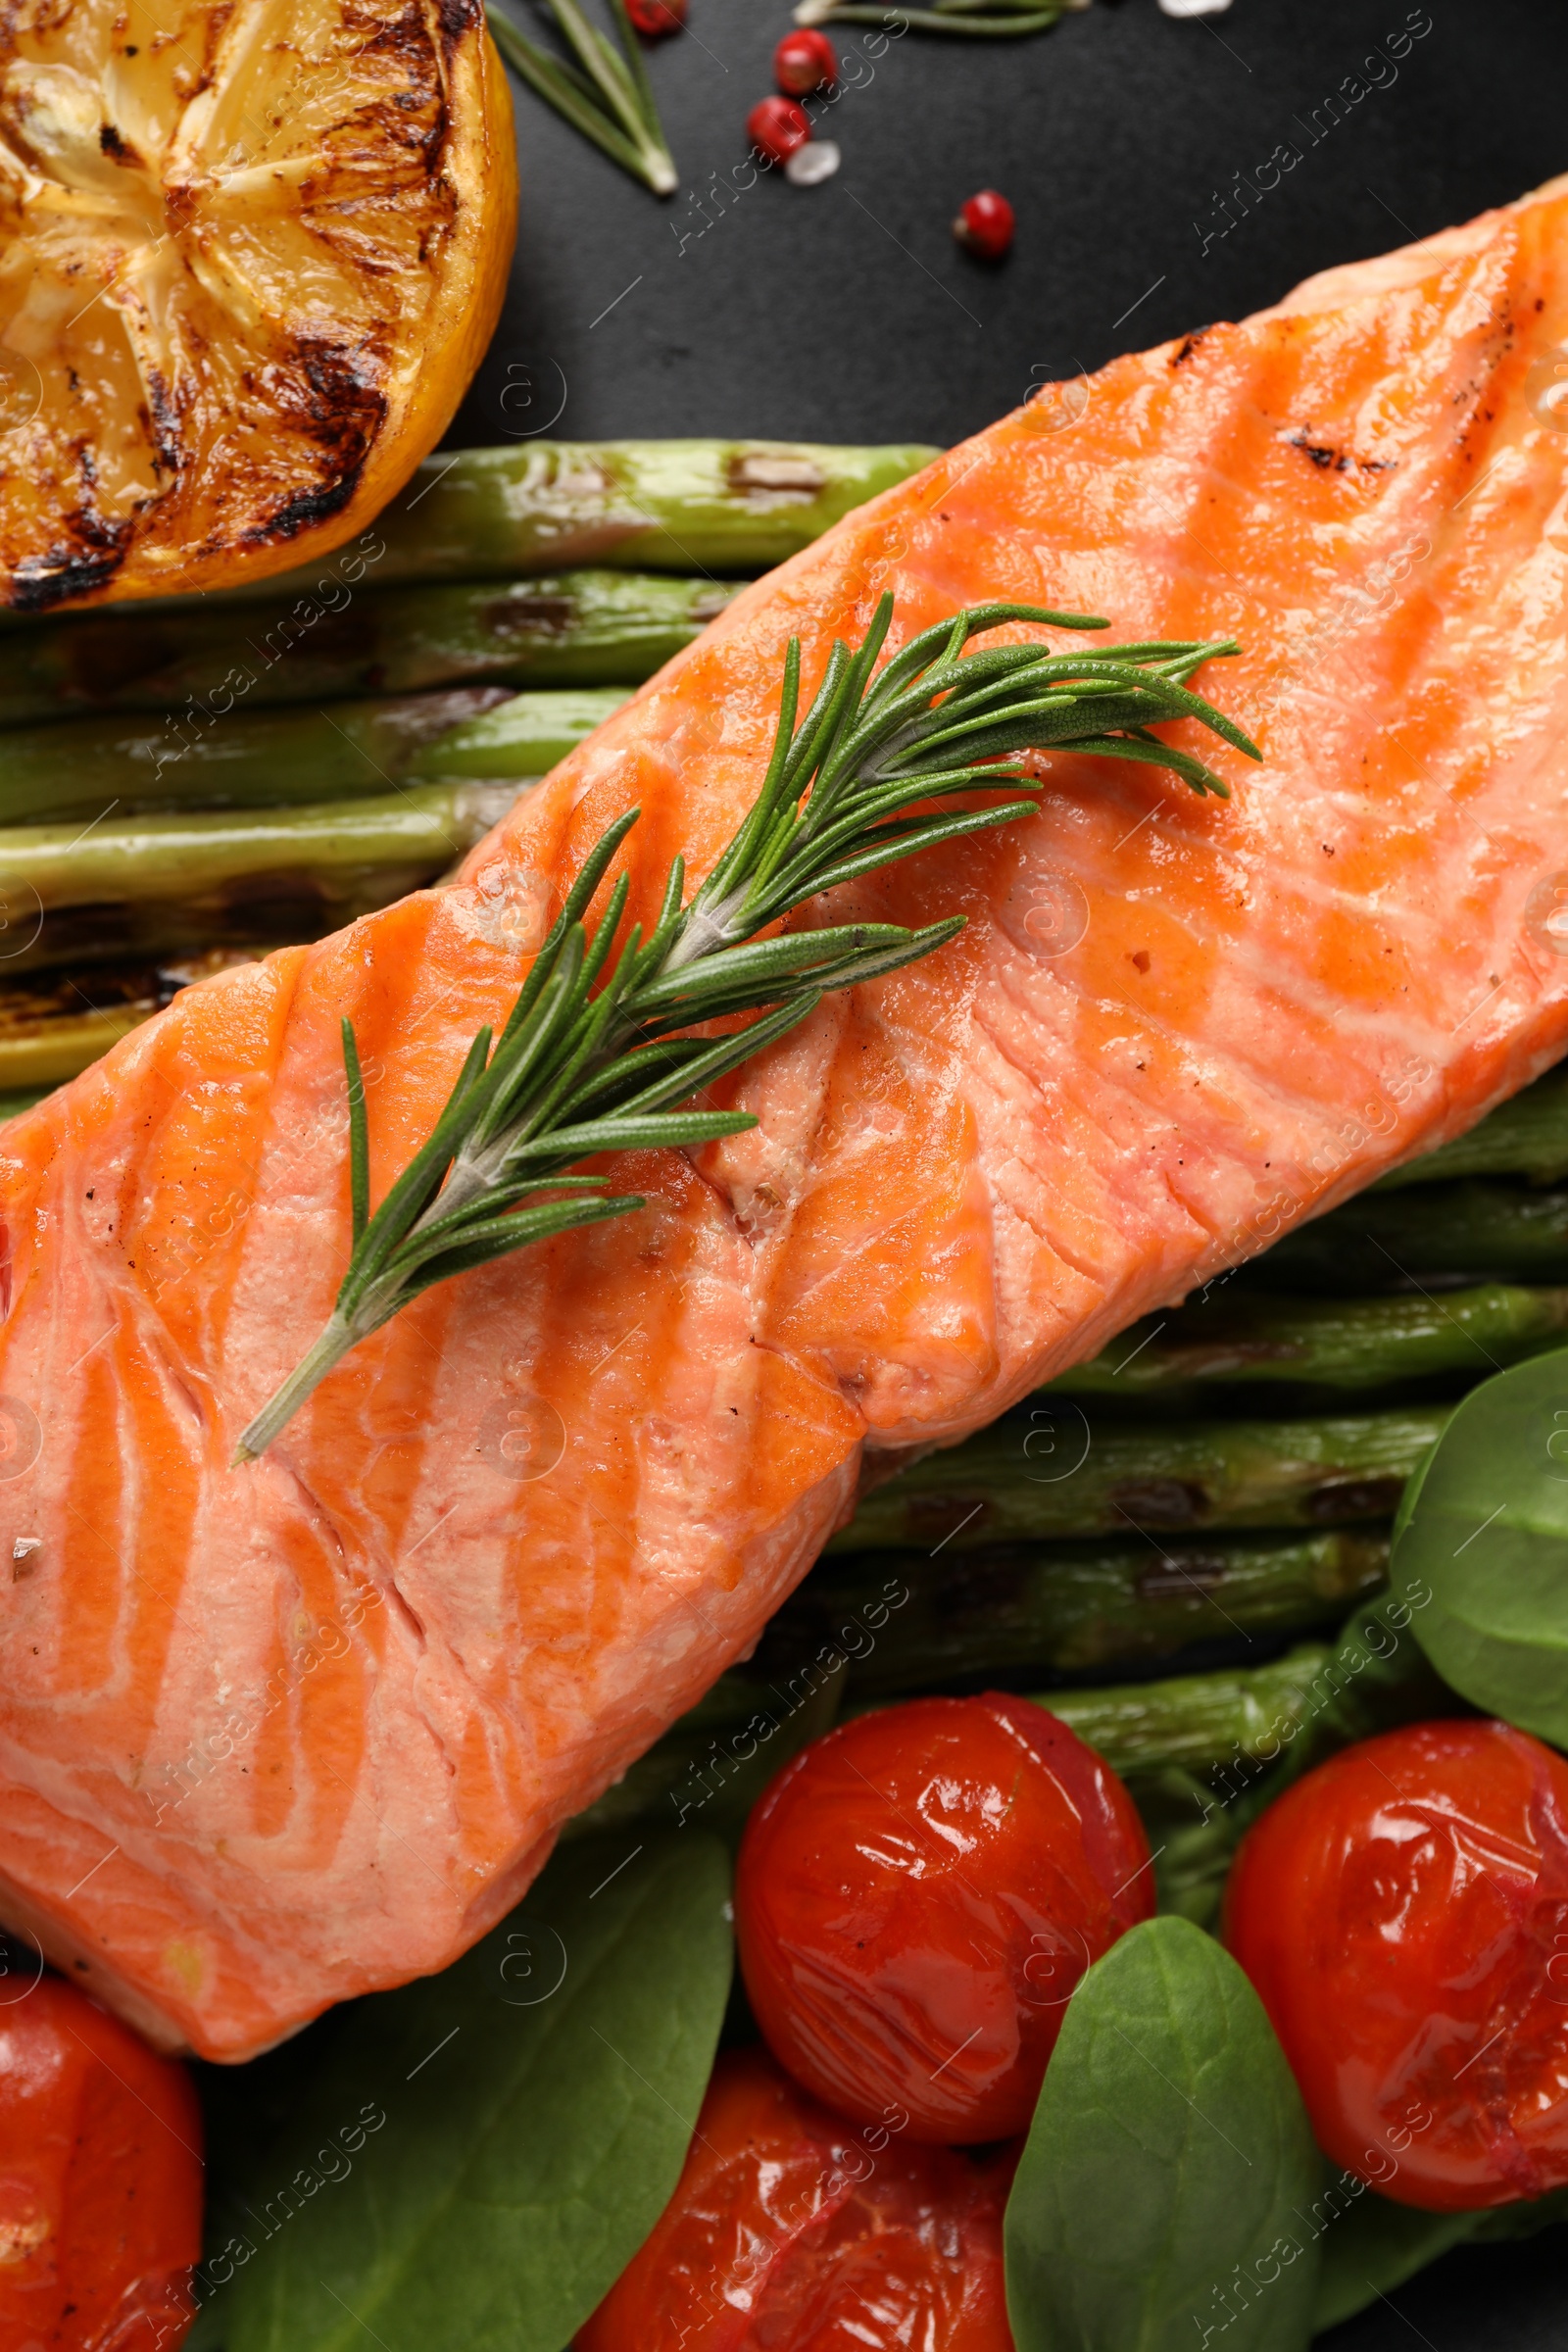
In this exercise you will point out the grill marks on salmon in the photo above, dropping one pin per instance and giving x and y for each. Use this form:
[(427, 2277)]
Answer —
[(277, 1736)]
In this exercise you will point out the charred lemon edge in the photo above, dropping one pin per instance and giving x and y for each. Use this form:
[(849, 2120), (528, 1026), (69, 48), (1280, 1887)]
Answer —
[(479, 160)]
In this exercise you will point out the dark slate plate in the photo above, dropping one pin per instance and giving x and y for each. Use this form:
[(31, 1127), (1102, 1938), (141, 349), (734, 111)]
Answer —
[(845, 313)]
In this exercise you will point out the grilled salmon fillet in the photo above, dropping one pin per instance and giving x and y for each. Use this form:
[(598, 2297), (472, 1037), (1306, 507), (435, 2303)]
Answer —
[(276, 1735)]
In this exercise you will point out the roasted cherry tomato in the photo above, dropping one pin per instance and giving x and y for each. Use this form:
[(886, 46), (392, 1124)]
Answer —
[(1403, 1914), (918, 1893), (99, 2179), (792, 2230)]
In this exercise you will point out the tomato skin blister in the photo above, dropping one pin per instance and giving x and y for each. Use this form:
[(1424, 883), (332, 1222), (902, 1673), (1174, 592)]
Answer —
[(917, 1896), (792, 2231), (1402, 1911), (99, 2180)]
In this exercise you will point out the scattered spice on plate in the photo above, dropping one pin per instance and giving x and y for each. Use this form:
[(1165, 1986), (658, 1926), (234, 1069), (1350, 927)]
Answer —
[(654, 20), (814, 162), (985, 225), (776, 127), (803, 62)]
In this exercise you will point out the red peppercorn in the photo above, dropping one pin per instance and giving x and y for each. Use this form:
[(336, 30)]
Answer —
[(776, 127), (805, 61), (654, 19), (985, 225)]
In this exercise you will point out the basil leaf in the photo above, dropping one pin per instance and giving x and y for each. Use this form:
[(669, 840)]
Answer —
[(535, 2103), (1163, 2196), (1373, 2246), (1480, 1552)]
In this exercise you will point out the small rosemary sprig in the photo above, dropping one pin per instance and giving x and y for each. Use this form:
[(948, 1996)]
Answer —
[(607, 95), (599, 1044), (992, 19)]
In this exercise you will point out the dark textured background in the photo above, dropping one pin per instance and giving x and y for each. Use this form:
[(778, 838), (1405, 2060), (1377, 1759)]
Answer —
[(847, 313)]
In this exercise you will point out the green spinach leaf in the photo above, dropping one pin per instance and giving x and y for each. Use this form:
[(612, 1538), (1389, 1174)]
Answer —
[(482, 2152), (1481, 1550), (1505, 2221), (1163, 2199), (1372, 2246)]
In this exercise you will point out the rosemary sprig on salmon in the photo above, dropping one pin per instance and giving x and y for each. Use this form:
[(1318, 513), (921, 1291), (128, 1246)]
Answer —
[(600, 1045)]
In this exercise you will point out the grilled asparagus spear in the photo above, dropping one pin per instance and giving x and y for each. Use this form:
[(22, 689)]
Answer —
[(1222, 1726), (86, 768), (1385, 1241), (152, 885), (1207, 1750), (521, 736), (1051, 1473), (581, 628), (1198, 1723), (1329, 1342), (909, 1623), (731, 507)]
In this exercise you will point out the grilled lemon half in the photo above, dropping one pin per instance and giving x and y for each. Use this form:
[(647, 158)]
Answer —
[(250, 253)]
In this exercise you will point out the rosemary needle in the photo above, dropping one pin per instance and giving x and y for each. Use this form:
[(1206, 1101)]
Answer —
[(599, 1046), (606, 94)]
